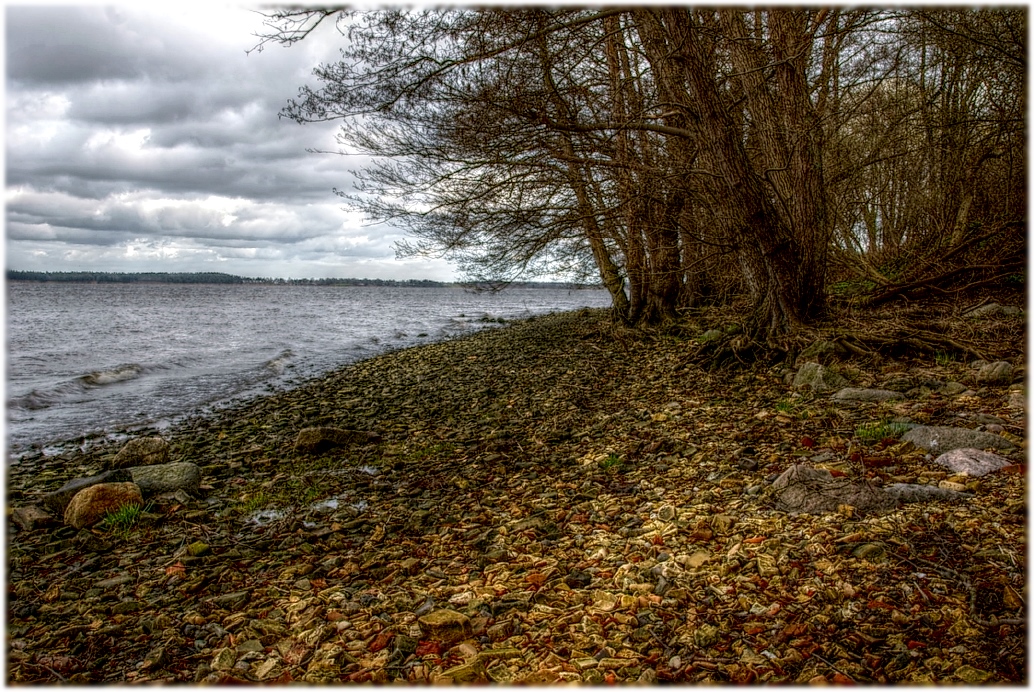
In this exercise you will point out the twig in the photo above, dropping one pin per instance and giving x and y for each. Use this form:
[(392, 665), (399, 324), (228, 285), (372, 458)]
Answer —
[(59, 675), (837, 670)]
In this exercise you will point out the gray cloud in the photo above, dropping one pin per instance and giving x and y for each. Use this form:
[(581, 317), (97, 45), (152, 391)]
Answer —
[(147, 138)]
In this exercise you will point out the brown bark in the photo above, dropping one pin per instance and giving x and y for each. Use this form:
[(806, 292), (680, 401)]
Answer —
[(770, 255), (577, 179)]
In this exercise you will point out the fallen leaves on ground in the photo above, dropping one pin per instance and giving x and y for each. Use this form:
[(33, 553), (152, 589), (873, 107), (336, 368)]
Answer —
[(593, 504)]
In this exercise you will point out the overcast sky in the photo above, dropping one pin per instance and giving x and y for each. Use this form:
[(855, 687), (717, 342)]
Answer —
[(145, 139)]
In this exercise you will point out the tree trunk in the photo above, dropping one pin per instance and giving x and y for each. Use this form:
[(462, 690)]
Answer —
[(769, 254), (577, 179)]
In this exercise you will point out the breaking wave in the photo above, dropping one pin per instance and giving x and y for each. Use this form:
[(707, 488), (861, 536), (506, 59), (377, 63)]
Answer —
[(39, 399), (278, 364), (99, 378)]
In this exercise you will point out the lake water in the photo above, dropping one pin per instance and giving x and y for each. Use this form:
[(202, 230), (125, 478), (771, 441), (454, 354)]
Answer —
[(88, 360)]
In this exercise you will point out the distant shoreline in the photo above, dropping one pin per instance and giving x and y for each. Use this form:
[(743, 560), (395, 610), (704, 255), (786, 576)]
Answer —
[(230, 279)]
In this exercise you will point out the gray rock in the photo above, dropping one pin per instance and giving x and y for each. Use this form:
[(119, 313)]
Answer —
[(315, 440), (1016, 400), (852, 394), (953, 388), (999, 372), (973, 462), (914, 492), (57, 501), (813, 491), (820, 352), (818, 378), (993, 310), (711, 335), (142, 451), (91, 504), (167, 478), (988, 310), (32, 517), (939, 439)]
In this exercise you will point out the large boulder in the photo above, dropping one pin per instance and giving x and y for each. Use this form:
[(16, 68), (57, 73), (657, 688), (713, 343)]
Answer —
[(91, 504), (315, 440), (814, 491), (818, 378), (167, 478), (972, 462), (56, 502), (997, 373), (143, 451), (940, 438)]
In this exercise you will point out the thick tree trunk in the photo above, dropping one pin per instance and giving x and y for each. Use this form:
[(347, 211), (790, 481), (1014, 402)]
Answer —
[(652, 248), (578, 180), (778, 268), (663, 242)]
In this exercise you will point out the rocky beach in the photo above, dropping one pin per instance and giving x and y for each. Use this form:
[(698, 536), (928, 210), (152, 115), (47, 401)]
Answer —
[(561, 500)]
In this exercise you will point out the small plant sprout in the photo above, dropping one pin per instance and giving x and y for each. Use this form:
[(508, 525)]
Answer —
[(793, 407), (254, 502), (871, 433), (611, 463), (122, 520)]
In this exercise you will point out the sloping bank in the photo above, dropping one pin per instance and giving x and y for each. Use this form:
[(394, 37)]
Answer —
[(552, 501)]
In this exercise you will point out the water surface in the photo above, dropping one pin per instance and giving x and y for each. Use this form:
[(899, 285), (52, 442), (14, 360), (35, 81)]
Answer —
[(87, 360)]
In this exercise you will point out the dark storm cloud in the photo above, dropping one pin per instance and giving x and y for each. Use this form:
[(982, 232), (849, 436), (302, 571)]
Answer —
[(210, 112), (149, 133), (63, 45)]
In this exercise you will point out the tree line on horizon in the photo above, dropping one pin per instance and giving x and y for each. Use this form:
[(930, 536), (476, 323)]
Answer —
[(129, 277), (686, 156), (222, 278)]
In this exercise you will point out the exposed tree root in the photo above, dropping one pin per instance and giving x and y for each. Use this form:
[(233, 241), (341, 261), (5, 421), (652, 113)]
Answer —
[(904, 343), (736, 350), (893, 333)]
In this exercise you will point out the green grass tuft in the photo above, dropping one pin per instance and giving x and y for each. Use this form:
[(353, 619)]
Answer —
[(123, 520), (611, 464), (871, 433)]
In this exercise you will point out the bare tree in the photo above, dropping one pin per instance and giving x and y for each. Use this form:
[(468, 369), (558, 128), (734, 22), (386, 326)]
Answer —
[(680, 153)]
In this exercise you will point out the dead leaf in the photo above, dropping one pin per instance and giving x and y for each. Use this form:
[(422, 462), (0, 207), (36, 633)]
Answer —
[(178, 568)]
